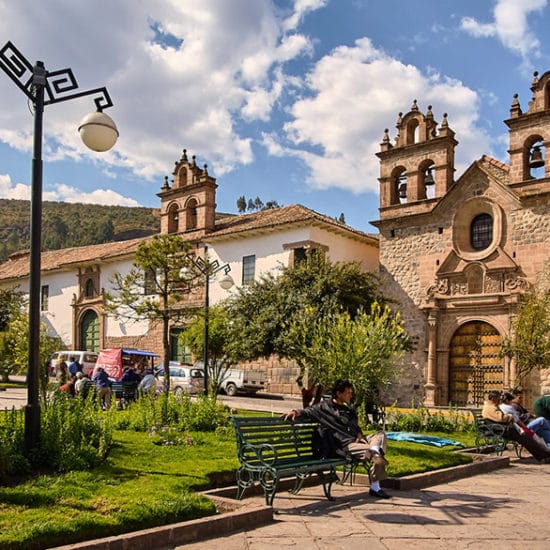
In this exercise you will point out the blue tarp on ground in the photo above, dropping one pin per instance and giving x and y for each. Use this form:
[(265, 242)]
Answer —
[(423, 439)]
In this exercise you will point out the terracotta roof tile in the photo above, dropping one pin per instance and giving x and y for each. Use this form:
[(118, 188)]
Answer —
[(231, 226), (495, 162), (18, 265), (294, 214)]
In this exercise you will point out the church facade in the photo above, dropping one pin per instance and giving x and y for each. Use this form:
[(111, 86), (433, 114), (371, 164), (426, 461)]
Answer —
[(456, 255)]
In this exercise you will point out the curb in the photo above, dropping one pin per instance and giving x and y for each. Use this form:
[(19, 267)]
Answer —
[(235, 515)]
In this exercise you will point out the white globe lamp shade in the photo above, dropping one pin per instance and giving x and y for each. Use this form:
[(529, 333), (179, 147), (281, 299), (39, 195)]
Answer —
[(226, 282), (98, 131)]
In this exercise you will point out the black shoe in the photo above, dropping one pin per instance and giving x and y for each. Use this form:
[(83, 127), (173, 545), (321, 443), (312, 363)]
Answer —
[(378, 494)]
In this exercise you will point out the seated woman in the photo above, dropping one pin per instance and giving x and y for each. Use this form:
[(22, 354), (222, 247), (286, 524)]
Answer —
[(492, 412)]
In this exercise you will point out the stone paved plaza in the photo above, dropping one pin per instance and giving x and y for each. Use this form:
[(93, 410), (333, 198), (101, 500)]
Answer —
[(508, 507)]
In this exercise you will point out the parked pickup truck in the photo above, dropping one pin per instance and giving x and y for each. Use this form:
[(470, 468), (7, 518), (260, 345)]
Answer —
[(243, 381)]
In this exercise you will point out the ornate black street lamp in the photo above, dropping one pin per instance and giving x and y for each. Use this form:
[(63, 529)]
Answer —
[(209, 269), (99, 133)]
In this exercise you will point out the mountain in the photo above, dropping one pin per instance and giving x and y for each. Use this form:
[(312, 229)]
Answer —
[(72, 224)]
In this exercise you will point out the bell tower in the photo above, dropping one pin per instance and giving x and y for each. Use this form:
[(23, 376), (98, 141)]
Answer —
[(529, 137), (189, 204), (419, 166)]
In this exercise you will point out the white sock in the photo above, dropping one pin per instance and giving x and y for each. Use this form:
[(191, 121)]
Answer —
[(375, 449), (375, 486)]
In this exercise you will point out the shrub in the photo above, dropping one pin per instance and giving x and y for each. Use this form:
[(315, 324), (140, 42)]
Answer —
[(184, 414), (422, 419), (12, 457)]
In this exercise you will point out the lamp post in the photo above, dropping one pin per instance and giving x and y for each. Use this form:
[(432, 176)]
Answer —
[(99, 133), (208, 269)]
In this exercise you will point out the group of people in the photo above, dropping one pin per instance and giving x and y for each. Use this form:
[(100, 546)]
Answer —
[(531, 430), (73, 381)]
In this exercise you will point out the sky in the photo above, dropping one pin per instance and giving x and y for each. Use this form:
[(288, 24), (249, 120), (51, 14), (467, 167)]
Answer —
[(285, 100)]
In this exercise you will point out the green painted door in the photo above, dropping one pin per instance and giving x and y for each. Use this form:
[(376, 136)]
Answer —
[(89, 331)]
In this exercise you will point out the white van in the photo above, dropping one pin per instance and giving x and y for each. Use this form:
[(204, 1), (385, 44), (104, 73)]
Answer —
[(87, 359)]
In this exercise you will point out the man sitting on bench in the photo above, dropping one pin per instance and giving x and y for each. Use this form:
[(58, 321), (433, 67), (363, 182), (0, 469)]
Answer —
[(341, 431)]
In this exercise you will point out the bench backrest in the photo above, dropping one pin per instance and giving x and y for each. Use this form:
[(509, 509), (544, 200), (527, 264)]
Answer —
[(285, 439)]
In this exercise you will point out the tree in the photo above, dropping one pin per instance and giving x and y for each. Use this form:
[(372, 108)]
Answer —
[(263, 312), (153, 288), (364, 349), (258, 203), (241, 204), (14, 338), (12, 303), (530, 343), (219, 344)]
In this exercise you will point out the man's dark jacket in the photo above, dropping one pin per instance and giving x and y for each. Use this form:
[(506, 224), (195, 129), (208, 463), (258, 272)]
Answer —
[(339, 427)]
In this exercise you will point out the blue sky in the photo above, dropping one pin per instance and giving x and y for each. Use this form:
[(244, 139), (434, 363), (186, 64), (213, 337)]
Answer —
[(283, 99)]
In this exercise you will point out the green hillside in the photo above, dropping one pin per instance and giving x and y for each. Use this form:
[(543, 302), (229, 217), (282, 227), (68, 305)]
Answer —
[(66, 225)]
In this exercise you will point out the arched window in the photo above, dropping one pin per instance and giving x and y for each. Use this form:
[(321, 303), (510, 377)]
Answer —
[(89, 290), (481, 231)]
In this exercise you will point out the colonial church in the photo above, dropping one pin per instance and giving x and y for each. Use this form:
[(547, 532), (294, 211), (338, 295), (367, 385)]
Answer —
[(457, 254)]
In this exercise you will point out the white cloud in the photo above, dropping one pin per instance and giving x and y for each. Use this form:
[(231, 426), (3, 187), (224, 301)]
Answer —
[(510, 26), (337, 129), (66, 193), (224, 63), (301, 8), (19, 191), (63, 193)]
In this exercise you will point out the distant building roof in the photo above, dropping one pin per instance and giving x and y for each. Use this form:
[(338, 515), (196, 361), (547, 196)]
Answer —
[(229, 227)]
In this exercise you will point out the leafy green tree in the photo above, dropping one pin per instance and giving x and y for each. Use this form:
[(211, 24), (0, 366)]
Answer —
[(530, 344), (241, 204), (263, 312), (153, 288), (14, 338), (258, 203), (104, 230), (55, 233), (364, 349), (219, 344)]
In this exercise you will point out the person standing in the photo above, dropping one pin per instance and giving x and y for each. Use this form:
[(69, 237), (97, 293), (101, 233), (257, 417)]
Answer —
[(74, 367), (342, 435), (103, 386), (61, 370)]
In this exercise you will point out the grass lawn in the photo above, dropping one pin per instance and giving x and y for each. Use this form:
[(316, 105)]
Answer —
[(143, 485)]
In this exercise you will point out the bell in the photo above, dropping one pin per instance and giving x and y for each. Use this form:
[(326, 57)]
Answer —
[(536, 160), (429, 179), (402, 190)]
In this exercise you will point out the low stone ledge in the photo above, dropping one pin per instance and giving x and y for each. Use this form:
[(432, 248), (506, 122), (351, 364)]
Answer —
[(234, 515)]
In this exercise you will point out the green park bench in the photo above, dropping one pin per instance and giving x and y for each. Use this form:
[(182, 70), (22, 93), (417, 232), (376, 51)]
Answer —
[(490, 436), (271, 448)]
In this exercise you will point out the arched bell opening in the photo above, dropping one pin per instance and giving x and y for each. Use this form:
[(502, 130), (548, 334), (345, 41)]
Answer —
[(173, 218), (534, 158)]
